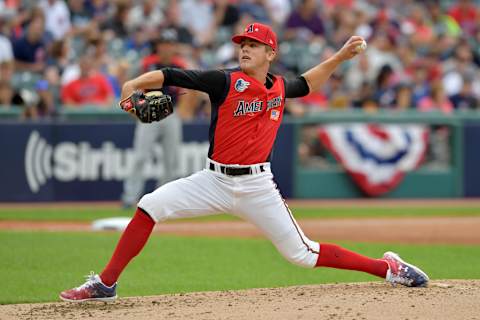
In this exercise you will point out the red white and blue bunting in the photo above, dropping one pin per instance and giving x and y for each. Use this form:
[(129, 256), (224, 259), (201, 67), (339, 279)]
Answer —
[(376, 156)]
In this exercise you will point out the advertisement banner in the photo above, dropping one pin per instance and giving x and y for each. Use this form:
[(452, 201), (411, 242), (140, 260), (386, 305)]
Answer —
[(89, 161)]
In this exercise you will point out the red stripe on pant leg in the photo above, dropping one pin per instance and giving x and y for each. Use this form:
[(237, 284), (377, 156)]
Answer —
[(131, 243), (334, 256), (297, 228)]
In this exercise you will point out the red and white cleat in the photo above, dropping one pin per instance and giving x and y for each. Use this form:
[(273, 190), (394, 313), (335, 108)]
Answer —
[(92, 290), (404, 273)]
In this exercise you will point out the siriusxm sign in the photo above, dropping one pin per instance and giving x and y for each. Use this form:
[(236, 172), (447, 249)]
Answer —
[(88, 161), (78, 161)]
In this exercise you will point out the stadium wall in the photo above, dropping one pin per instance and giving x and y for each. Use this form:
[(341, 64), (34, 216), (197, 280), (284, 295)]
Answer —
[(88, 160), (84, 156)]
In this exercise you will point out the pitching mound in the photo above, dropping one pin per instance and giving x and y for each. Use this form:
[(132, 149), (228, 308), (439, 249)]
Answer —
[(449, 299)]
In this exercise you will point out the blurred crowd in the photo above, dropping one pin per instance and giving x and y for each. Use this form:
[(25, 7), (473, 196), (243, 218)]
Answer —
[(422, 55)]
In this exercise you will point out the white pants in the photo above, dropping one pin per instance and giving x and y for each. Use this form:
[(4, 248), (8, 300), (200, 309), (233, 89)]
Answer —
[(253, 197), (169, 134)]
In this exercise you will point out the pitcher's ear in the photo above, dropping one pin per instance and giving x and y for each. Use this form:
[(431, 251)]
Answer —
[(271, 54)]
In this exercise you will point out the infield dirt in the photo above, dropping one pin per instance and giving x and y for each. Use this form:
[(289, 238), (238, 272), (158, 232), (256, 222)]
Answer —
[(449, 299)]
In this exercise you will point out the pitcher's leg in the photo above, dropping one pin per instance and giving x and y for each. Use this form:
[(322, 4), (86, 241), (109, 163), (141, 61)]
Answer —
[(130, 244), (198, 194), (193, 196), (268, 211), (334, 256), (262, 205)]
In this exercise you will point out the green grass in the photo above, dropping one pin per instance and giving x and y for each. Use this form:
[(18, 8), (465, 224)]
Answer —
[(36, 266), (86, 213)]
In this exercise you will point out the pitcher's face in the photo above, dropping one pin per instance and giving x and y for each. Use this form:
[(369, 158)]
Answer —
[(254, 55)]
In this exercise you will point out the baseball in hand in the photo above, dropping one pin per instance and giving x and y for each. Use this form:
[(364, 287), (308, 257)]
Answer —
[(361, 47)]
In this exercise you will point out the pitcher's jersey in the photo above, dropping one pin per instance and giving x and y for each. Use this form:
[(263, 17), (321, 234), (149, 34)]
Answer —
[(244, 126), (246, 114)]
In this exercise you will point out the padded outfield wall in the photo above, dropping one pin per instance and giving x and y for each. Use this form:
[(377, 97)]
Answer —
[(86, 156), (435, 178), (83, 156)]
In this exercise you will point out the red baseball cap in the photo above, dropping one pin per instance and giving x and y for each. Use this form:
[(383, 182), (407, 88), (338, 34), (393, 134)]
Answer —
[(260, 32)]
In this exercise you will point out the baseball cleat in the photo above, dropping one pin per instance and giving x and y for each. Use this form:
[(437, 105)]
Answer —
[(404, 273), (92, 290)]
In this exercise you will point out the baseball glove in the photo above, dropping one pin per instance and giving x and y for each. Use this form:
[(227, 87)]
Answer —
[(148, 107)]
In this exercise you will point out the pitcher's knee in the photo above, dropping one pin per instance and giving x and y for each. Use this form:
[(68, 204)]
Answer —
[(154, 205), (305, 258), (300, 251)]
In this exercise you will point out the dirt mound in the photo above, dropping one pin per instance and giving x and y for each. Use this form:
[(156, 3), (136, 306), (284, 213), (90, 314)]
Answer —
[(449, 299)]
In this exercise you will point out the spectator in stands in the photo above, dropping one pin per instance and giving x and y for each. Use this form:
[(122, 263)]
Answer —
[(45, 105), (100, 10), (364, 97), (342, 4), (338, 97), (384, 22), (118, 73), (97, 47), (442, 23), (381, 51), (59, 54), (255, 9), (6, 88), (118, 23), (6, 51), (172, 21), (458, 67), (168, 54), (148, 15), (443, 38), (467, 15), (198, 17), (23, 98), (164, 48), (91, 88), (57, 18), (305, 23), (417, 27), (465, 99), (227, 14), (343, 24), (30, 49), (79, 16), (19, 98), (385, 88), (48, 87), (436, 101), (138, 41), (359, 73), (19, 16), (420, 84), (279, 11), (403, 97), (8, 8)]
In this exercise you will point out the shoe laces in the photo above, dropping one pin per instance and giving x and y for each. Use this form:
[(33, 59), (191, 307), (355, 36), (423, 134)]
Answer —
[(90, 279)]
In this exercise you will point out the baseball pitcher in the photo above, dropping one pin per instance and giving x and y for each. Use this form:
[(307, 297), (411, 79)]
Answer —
[(247, 109)]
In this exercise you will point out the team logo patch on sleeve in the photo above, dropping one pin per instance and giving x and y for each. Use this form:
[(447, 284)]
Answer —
[(241, 85), (275, 115)]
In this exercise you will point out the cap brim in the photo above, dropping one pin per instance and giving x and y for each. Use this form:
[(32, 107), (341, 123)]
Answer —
[(238, 39)]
